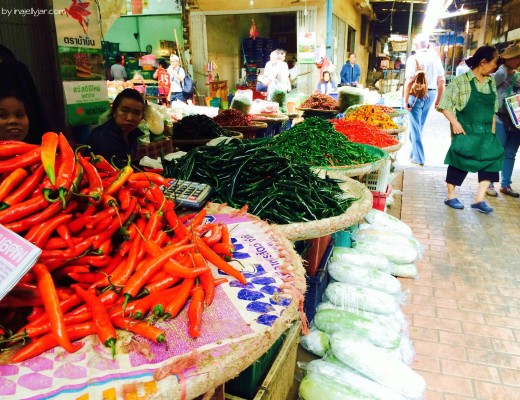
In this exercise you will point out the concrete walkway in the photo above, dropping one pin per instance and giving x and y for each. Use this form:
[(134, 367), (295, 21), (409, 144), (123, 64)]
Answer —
[(464, 309)]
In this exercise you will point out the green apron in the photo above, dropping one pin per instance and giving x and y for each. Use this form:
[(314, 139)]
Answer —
[(479, 149)]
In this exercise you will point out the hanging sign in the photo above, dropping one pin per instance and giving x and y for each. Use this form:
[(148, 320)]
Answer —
[(307, 48), (80, 56)]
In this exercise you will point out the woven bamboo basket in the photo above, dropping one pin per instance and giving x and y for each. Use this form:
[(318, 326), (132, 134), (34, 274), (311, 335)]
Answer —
[(249, 132), (357, 169), (394, 148), (395, 131), (269, 118), (355, 213)]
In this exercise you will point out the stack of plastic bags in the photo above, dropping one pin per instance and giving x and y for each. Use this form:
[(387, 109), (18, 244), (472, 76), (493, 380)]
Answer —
[(359, 328)]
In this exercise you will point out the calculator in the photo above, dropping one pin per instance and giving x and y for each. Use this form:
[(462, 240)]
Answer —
[(187, 193)]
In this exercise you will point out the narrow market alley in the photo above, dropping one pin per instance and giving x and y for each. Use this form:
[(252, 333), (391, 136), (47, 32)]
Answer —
[(464, 308)]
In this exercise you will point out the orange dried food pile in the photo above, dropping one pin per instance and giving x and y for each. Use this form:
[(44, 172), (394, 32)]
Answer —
[(372, 115)]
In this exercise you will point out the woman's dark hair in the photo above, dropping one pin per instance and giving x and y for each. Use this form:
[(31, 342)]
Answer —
[(119, 58), (6, 94), (127, 94), (486, 53), (163, 64)]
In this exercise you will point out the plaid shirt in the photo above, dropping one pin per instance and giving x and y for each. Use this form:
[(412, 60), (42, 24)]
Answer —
[(458, 92)]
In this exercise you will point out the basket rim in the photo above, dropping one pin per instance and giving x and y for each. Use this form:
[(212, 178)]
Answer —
[(236, 135), (319, 110), (255, 125)]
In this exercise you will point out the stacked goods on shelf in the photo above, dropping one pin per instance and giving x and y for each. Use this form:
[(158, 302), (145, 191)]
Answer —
[(359, 329)]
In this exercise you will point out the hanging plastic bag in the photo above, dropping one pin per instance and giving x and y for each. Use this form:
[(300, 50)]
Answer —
[(253, 33)]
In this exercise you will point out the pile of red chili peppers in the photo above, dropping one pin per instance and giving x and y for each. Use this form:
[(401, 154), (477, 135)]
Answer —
[(113, 250), (232, 117), (362, 132)]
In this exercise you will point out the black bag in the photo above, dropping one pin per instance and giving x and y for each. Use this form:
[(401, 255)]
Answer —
[(188, 87)]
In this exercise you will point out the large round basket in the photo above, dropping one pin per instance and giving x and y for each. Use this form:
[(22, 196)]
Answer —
[(395, 131), (357, 169), (186, 145), (394, 148), (355, 213), (249, 132), (269, 119)]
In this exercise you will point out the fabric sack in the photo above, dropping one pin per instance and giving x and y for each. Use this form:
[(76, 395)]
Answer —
[(419, 84)]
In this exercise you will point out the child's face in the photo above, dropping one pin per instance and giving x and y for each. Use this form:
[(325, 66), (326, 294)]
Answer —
[(14, 123)]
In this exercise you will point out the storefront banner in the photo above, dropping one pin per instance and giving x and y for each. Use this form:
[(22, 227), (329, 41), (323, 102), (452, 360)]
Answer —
[(307, 48), (86, 101), (78, 34)]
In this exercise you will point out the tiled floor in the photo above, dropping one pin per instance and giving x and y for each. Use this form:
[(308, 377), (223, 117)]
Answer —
[(464, 309)]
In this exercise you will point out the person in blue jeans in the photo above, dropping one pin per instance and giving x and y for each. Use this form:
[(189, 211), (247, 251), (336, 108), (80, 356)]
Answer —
[(507, 79), (419, 108)]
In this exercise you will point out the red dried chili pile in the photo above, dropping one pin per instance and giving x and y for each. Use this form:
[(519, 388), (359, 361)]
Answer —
[(319, 101), (362, 132), (232, 117)]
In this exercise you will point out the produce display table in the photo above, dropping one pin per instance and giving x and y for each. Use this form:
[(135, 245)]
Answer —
[(155, 149), (241, 324)]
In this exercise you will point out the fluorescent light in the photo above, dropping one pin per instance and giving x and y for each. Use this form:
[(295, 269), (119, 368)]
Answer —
[(458, 13)]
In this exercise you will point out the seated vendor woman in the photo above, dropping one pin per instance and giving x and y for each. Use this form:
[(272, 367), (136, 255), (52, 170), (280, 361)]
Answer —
[(116, 139), (14, 123)]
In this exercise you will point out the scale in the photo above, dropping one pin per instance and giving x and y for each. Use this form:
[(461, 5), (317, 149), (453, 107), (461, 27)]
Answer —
[(188, 194)]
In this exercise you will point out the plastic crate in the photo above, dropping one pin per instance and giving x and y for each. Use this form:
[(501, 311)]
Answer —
[(312, 251), (317, 284), (377, 181), (246, 383), (380, 199)]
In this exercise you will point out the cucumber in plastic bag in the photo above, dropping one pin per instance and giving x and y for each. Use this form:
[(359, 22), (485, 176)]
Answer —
[(345, 375), (358, 258), (381, 220), (350, 296), (376, 331), (317, 386), (373, 362), (368, 277), (316, 341)]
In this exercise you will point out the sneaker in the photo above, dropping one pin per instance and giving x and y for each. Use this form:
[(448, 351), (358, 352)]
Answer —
[(482, 207), (509, 192), (491, 192), (454, 203)]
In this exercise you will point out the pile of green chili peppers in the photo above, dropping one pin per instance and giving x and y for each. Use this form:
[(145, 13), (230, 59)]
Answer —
[(249, 172), (315, 142)]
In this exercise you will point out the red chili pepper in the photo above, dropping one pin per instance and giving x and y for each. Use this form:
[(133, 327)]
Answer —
[(63, 231), (102, 164), (95, 261), (65, 305), (150, 177), (11, 182), (86, 277), (104, 327), (136, 185), (173, 308), (158, 194), (215, 235), (66, 170), (52, 307), (95, 189), (40, 236), (141, 277), (103, 214), (206, 279), (185, 218), (48, 154), (49, 341), (171, 266), (144, 304), (161, 282), (79, 222), (122, 177), (180, 230), (213, 258), (25, 189), (195, 312), (10, 148), (124, 198), (21, 210), (42, 329), (139, 327), (36, 312), (22, 161)]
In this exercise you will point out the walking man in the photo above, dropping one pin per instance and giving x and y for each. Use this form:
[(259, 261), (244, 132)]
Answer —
[(419, 108)]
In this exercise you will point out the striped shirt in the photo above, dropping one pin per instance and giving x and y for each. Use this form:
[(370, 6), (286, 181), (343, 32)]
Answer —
[(457, 94)]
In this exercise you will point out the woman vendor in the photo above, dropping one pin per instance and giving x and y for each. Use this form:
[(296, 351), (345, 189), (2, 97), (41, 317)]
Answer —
[(14, 122), (474, 146), (116, 139)]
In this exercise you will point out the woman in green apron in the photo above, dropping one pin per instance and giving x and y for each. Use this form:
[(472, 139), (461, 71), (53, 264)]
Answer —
[(470, 103)]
